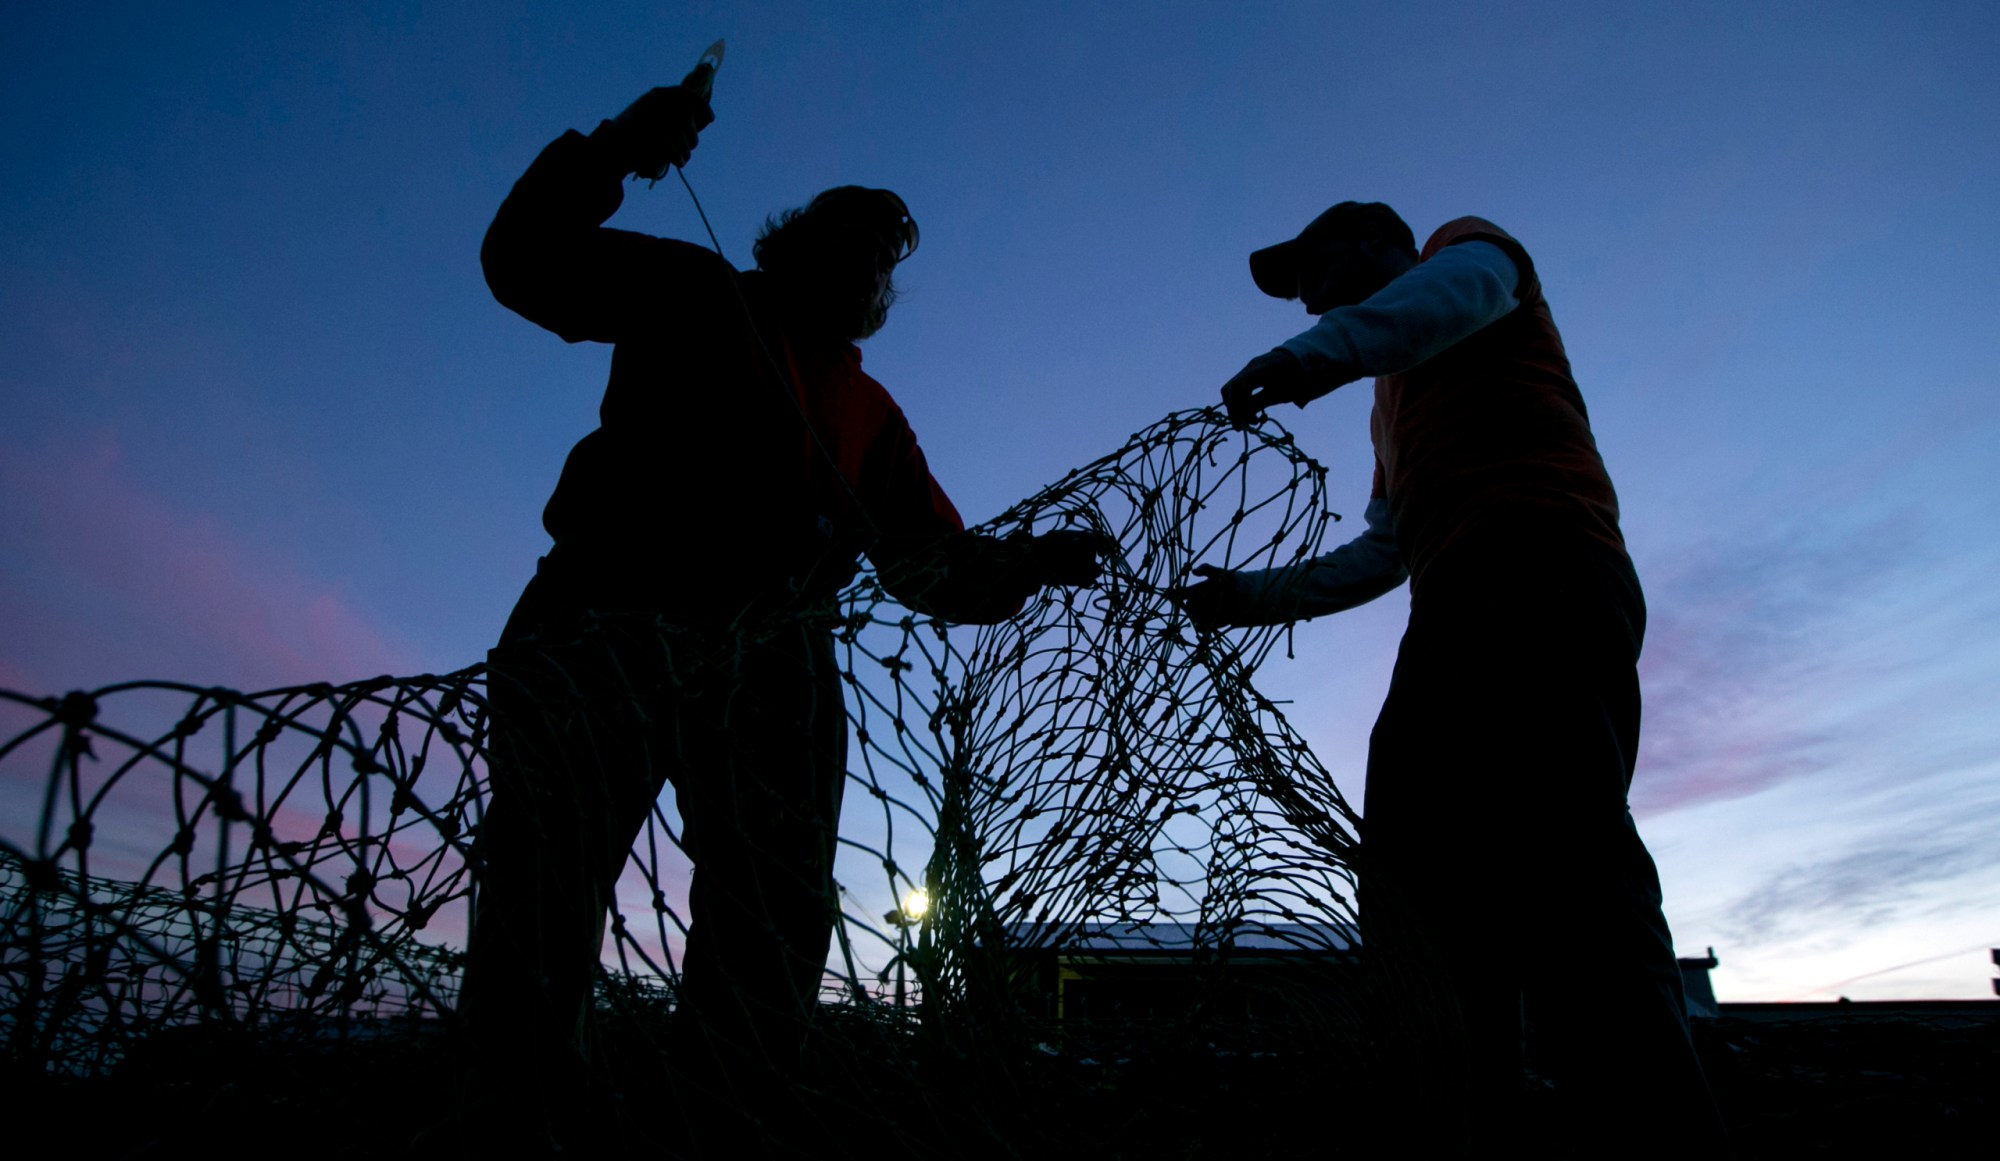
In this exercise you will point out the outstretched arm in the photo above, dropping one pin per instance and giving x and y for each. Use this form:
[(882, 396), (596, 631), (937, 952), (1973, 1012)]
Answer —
[(548, 255), (1353, 574), (927, 560), (969, 578), (1433, 305)]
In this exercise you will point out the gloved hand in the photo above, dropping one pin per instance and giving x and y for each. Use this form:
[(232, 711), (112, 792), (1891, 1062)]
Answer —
[(1276, 376), (658, 130), (1207, 602), (1068, 556)]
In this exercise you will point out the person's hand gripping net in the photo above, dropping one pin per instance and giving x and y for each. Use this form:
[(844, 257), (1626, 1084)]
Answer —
[(1276, 376), (1069, 556), (1207, 601)]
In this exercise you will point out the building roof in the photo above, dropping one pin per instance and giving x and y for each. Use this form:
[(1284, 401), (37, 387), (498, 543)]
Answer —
[(1184, 938)]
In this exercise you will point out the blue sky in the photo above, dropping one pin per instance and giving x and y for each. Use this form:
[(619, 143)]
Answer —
[(260, 421)]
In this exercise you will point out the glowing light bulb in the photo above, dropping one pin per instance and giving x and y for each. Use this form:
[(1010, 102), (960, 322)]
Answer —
[(917, 903)]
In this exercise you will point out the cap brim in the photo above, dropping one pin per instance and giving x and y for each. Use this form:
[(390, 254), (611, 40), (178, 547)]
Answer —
[(1275, 269)]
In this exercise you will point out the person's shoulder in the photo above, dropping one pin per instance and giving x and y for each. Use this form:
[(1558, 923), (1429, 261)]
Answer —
[(869, 389), (693, 255), (1467, 229), (1477, 229)]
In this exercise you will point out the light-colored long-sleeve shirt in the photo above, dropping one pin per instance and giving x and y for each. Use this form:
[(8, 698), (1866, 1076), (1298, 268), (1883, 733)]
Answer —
[(1353, 574), (1430, 307), (1426, 310)]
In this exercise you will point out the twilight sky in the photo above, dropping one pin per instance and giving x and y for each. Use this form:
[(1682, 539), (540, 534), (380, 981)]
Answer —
[(261, 422)]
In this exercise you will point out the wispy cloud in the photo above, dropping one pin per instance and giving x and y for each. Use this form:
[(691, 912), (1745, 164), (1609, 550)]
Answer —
[(1881, 882), (1753, 645), (1856, 875), (113, 578)]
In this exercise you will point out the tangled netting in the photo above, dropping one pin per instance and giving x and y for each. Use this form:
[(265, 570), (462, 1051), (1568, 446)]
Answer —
[(1092, 781)]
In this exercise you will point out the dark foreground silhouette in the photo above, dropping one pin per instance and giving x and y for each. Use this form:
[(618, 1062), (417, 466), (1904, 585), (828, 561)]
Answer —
[(1828, 1087)]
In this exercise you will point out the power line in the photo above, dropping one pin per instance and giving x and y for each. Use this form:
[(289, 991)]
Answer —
[(1981, 946)]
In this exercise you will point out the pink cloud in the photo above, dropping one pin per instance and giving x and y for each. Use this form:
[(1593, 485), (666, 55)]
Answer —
[(14, 677), (1749, 675), (123, 577)]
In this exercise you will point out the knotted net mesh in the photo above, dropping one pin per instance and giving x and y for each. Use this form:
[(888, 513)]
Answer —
[(1119, 844)]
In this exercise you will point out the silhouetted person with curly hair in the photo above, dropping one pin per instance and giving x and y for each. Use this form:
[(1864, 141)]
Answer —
[(680, 630)]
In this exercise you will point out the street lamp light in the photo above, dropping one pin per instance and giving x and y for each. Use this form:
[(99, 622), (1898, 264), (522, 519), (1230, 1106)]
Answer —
[(916, 905)]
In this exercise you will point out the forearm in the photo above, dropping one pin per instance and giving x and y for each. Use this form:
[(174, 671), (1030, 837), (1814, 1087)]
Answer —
[(1353, 574), (1435, 304), (962, 577)]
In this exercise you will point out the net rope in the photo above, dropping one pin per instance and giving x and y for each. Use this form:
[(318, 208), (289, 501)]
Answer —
[(1089, 783)]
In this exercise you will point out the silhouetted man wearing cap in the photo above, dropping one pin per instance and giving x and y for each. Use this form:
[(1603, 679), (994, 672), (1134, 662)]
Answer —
[(1499, 862), (680, 629)]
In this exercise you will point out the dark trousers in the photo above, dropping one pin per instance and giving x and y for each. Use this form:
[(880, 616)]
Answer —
[(592, 717), (1501, 872)]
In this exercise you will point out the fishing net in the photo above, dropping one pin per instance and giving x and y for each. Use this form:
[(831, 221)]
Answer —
[(1065, 839)]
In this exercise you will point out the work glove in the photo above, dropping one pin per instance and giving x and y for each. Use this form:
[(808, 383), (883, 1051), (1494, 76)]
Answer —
[(1276, 376), (658, 131), (1068, 556)]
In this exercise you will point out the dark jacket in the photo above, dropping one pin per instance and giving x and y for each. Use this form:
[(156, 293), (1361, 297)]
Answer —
[(736, 460)]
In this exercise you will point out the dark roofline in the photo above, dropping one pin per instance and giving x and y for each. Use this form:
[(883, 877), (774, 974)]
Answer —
[(1776, 1012)]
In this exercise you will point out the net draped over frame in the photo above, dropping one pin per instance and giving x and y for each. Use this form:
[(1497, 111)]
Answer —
[(1093, 772)]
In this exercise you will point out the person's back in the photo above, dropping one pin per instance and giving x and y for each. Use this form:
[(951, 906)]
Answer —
[(1491, 428)]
